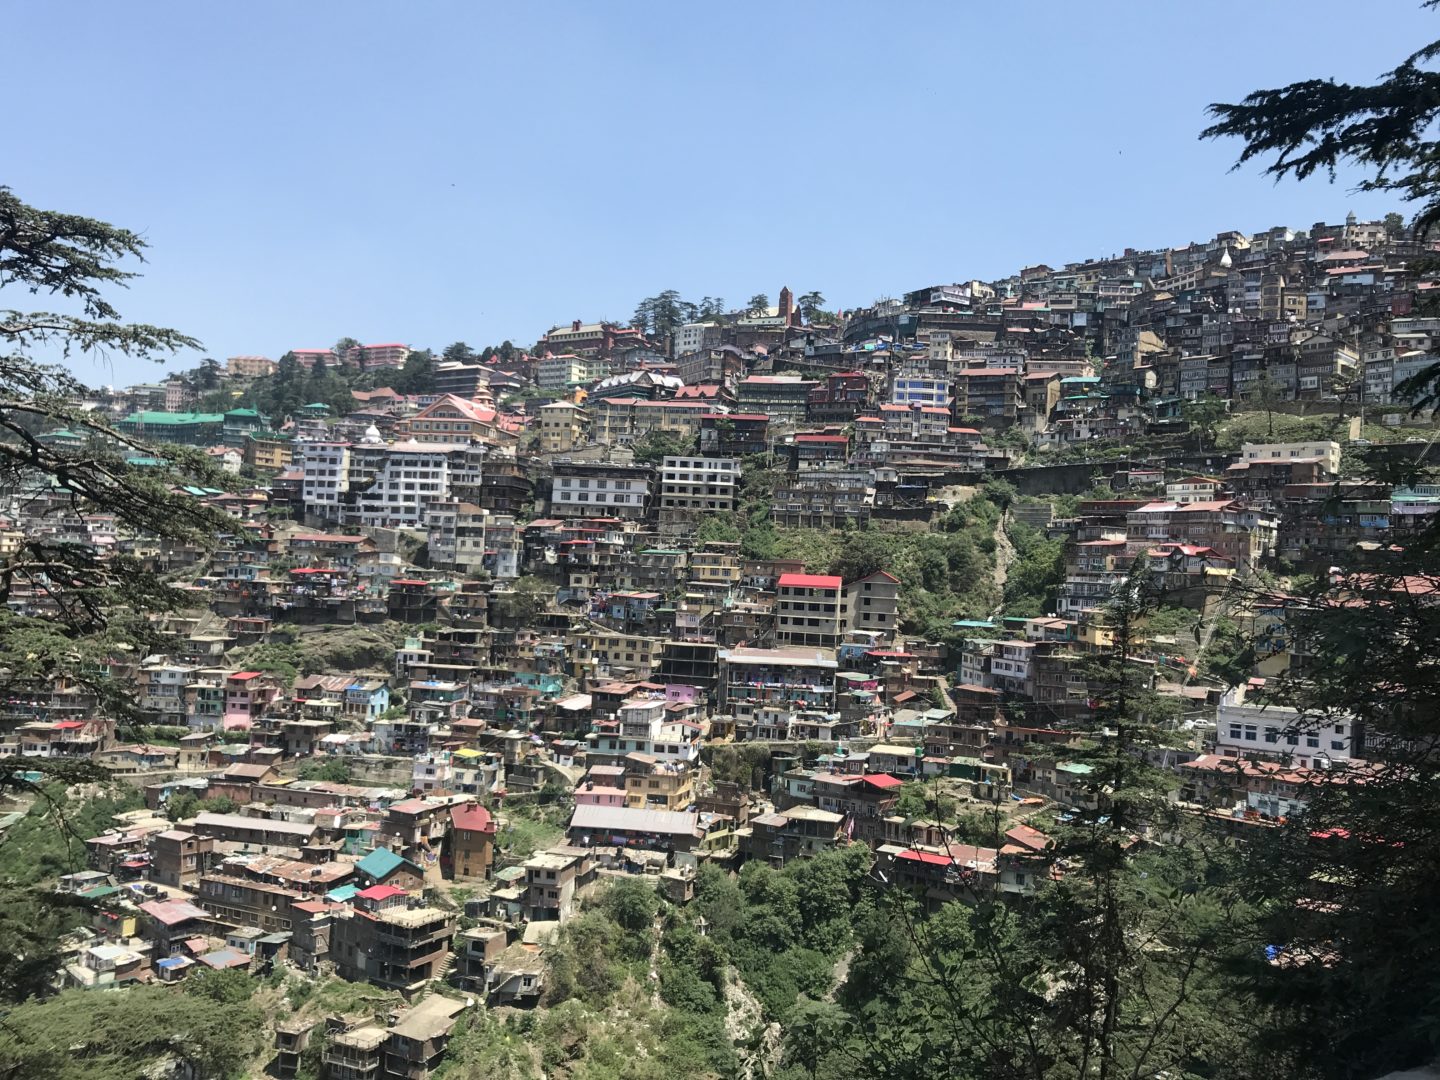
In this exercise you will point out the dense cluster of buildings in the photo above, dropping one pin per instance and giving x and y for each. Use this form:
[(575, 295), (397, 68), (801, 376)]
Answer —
[(527, 533)]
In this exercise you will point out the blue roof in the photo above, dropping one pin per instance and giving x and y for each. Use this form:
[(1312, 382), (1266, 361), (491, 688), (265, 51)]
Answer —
[(378, 863), (343, 893)]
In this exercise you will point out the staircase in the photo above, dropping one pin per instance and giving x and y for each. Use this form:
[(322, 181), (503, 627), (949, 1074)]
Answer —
[(446, 967)]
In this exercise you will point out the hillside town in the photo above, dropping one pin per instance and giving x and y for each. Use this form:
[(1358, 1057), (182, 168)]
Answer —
[(659, 599)]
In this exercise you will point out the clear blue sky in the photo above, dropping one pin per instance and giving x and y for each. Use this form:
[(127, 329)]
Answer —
[(423, 172)]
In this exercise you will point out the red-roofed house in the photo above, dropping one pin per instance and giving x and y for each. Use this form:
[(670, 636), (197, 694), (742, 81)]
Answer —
[(378, 894), (809, 610), (452, 419), (472, 842)]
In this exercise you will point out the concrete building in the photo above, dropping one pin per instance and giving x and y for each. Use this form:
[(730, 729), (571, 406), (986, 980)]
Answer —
[(751, 679), (552, 881), (472, 841), (808, 610), (600, 490), (691, 487), (872, 603), (561, 426), (249, 367)]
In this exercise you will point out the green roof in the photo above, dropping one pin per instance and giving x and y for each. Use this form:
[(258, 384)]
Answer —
[(153, 419), (242, 412)]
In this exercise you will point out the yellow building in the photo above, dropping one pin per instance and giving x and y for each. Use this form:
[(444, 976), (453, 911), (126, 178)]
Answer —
[(663, 786), (562, 426), (596, 651), (269, 455), (619, 421), (716, 567)]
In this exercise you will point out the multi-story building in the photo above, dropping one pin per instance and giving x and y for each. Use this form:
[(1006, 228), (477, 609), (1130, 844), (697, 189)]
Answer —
[(716, 564), (872, 603), (691, 487), (586, 339), (784, 398), (798, 678), (658, 785), (1325, 452), (606, 652), (561, 372), (324, 476), (249, 367), (1241, 535), (1247, 728), (411, 1048), (455, 534), (991, 395), (162, 691), (561, 426), (808, 610), (643, 726), (825, 499), (369, 357), (928, 390), (178, 858), (600, 490), (391, 940), (181, 428), (842, 397), (552, 880), (267, 453), (451, 420), (620, 421), (472, 841), (395, 485), (734, 433)]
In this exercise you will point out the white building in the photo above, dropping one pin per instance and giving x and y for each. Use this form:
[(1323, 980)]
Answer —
[(396, 485), (325, 476), (690, 338), (698, 484), (644, 729), (580, 490), (1250, 730), (1327, 453), (927, 391)]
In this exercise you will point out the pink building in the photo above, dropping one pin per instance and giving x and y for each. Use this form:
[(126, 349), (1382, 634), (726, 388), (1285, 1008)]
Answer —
[(366, 357), (307, 358), (589, 793), (247, 695)]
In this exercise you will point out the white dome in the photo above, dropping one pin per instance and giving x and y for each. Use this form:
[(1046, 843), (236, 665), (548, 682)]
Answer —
[(1226, 261), (372, 435)]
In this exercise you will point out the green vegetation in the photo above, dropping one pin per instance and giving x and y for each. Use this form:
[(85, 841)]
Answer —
[(528, 826), (333, 771), (946, 572), (89, 1035), (746, 764), (652, 447), (1036, 573), (919, 799), (49, 840), (319, 649)]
